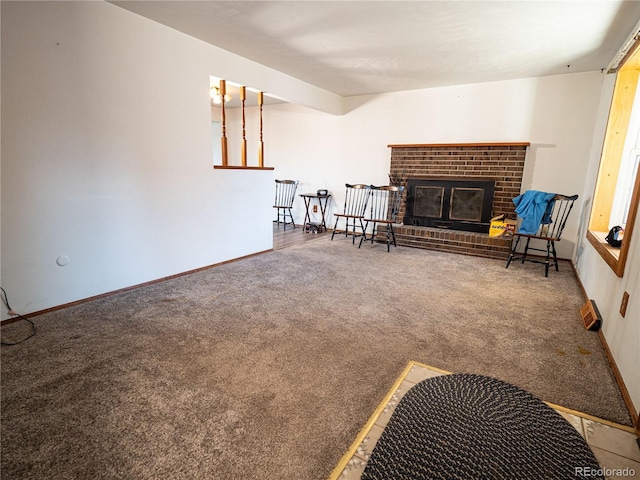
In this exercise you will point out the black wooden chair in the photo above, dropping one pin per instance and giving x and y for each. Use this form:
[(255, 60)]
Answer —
[(550, 231), (385, 204), (355, 205), (285, 194)]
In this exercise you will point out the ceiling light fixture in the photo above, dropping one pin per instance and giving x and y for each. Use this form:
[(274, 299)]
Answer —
[(216, 98)]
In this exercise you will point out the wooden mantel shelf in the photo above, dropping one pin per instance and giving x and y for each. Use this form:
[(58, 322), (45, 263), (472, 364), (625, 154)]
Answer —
[(496, 144), (239, 167)]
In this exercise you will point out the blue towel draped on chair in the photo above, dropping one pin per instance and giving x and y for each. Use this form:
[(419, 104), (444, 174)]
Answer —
[(534, 208)]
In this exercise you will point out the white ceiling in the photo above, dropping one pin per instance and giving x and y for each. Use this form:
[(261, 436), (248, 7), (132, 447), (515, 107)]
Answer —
[(365, 47)]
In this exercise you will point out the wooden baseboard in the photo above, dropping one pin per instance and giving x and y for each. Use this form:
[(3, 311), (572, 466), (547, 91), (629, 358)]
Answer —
[(633, 412), (623, 388), (126, 289)]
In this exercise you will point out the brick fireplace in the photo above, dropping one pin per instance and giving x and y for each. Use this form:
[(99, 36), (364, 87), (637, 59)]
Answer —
[(502, 162)]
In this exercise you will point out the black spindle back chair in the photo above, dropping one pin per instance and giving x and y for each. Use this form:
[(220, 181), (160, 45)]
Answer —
[(355, 204), (385, 205), (550, 231), (283, 203)]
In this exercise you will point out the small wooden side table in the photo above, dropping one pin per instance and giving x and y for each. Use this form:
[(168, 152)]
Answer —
[(322, 200)]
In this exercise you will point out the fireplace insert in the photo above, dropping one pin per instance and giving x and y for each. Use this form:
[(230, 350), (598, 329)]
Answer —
[(448, 202)]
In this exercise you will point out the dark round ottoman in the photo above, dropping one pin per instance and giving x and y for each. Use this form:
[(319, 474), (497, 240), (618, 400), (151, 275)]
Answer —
[(465, 426)]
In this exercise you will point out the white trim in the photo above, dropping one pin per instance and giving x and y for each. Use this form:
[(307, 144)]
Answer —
[(626, 47)]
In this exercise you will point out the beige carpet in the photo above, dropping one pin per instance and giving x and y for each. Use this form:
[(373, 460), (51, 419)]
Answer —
[(268, 367)]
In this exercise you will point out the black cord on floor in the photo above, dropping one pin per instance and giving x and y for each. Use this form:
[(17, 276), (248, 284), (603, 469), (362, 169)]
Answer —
[(5, 300)]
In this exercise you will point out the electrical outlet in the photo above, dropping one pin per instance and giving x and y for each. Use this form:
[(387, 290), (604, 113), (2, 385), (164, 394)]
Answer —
[(623, 305), (315, 209)]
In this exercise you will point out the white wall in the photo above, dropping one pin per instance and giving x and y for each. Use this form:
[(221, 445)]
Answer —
[(106, 156), (622, 334)]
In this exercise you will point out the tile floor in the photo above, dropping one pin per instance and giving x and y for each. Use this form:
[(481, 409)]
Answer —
[(613, 445)]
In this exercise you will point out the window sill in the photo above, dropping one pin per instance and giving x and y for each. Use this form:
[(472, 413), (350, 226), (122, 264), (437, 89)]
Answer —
[(608, 253)]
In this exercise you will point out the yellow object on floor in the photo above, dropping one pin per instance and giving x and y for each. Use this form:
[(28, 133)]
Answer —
[(501, 226)]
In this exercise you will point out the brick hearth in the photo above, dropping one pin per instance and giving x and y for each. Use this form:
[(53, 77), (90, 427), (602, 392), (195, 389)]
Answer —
[(504, 162)]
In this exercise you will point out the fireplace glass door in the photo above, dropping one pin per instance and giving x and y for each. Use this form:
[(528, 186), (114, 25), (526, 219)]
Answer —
[(466, 204), (450, 202), (429, 201)]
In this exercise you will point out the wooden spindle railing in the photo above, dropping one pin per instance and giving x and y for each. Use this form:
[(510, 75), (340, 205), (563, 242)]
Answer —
[(243, 97), (261, 144), (223, 92), (225, 155)]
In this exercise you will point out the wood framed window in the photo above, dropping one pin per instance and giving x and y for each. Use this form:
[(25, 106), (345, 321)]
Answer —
[(615, 200)]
